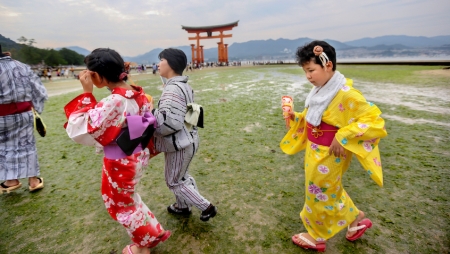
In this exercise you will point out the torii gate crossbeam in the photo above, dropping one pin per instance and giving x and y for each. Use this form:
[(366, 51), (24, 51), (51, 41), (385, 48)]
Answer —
[(197, 49)]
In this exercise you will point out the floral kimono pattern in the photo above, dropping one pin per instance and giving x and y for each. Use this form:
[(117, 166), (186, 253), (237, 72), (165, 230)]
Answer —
[(99, 124), (328, 209)]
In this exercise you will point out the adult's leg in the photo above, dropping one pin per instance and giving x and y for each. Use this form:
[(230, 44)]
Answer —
[(18, 153)]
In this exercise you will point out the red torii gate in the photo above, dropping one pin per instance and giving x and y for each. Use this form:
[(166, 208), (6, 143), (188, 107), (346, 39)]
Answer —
[(197, 52)]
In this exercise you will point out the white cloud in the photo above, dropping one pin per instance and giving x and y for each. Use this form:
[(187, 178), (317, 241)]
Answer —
[(136, 27), (8, 12), (152, 13)]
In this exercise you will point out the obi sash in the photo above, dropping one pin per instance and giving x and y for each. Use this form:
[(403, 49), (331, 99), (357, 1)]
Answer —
[(132, 139), (113, 151), (15, 108), (323, 134)]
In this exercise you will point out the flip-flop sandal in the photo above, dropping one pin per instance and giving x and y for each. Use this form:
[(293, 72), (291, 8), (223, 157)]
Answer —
[(8, 189), (363, 225), (39, 186), (161, 239), (320, 247)]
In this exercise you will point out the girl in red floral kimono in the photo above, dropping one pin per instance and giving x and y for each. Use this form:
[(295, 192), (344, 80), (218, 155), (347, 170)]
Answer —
[(99, 124)]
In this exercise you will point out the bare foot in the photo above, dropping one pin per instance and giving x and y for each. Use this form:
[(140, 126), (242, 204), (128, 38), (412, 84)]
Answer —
[(33, 181), (355, 223), (11, 183)]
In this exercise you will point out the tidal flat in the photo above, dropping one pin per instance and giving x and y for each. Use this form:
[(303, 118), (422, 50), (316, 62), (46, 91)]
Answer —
[(240, 168)]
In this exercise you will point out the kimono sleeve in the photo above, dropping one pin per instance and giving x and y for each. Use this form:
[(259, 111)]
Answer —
[(171, 111), (100, 123), (82, 102), (39, 93), (365, 127), (296, 138)]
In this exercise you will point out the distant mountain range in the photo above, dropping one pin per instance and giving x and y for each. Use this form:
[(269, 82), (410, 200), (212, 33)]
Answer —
[(409, 41), (280, 49), (77, 49), (8, 43)]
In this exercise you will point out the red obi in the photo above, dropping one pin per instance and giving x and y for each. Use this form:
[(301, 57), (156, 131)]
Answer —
[(15, 108), (323, 134)]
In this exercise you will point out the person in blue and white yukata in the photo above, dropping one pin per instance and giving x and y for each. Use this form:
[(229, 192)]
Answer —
[(20, 91)]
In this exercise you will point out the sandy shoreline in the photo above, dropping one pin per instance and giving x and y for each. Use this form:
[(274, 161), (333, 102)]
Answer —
[(59, 86)]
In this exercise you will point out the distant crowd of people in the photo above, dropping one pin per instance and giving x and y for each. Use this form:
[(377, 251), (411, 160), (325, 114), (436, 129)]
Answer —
[(47, 72), (267, 62), (192, 66)]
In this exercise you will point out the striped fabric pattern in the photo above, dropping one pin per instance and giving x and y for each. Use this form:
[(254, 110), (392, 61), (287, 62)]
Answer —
[(178, 179), (172, 134), (18, 83), (18, 155)]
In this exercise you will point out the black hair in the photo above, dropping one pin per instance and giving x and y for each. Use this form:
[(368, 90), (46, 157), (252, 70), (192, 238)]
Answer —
[(1, 52), (107, 63), (176, 59), (305, 54)]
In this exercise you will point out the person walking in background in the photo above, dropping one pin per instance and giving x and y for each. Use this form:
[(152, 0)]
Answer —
[(66, 72), (49, 73), (100, 124), (155, 68), (173, 137), (21, 90), (336, 124)]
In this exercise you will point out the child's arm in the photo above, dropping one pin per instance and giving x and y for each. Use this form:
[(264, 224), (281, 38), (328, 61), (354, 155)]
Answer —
[(365, 129), (295, 139), (171, 112), (336, 148), (95, 122)]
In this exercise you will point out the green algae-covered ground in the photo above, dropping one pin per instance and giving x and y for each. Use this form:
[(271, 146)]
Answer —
[(240, 168)]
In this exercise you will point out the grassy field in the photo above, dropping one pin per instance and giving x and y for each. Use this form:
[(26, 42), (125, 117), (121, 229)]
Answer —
[(240, 168)]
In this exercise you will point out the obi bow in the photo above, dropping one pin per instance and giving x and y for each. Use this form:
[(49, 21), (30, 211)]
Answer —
[(139, 132)]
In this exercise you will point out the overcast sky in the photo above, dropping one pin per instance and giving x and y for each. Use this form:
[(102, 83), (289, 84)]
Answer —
[(135, 27)]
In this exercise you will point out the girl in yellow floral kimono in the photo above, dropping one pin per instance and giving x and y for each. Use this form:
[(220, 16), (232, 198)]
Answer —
[(337, 122)]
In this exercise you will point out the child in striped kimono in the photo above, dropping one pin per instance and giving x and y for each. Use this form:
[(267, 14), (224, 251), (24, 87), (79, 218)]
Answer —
[(178, 142)]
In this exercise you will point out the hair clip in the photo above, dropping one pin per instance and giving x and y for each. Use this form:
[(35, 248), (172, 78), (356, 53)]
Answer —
[(122, 75), (318, 51)]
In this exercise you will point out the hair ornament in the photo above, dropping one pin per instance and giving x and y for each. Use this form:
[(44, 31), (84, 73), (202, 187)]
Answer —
[(318, 51), (127, 66), (122, 75)]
